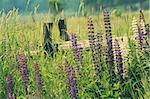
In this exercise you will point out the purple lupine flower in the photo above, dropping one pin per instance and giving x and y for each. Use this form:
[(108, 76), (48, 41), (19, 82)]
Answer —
[(99, 41), (147, 36), (109, 48), (142, 16), (76, 49), (13, 97), (91, 32), (140, 37), (23, 69), (38, 78), (139, 33), (95, 47), (80, 50), (96, 57), (77, 52), (147, 28), (143, 34), (119, 60), (97, 54), (143, 24), (9, 86), (71, 81)]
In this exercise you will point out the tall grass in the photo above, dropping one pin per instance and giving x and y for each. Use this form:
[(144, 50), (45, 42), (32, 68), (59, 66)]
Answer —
[(57, 78)]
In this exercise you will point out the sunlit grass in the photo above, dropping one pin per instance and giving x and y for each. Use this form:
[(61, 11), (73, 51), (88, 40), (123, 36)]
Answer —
[(24, 34)]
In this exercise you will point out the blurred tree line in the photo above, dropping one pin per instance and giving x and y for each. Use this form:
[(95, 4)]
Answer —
[(55, 6)]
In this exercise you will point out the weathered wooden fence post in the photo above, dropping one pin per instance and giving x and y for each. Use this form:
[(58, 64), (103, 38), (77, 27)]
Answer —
[(47, 32), (63, 29)]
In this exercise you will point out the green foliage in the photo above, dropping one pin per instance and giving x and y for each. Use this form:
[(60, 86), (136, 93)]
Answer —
[(71, 5), (24, 35)]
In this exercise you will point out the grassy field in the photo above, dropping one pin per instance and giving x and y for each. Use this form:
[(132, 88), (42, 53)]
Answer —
[(21, 78)]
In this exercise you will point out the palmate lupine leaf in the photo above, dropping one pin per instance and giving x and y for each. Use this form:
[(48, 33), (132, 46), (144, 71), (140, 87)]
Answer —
[(23, 69), (38, 78), (109, 48), (95, 46), (71, 81), (119, 62)]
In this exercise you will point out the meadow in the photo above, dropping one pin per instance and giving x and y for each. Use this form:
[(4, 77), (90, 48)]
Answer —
[(115, 65)]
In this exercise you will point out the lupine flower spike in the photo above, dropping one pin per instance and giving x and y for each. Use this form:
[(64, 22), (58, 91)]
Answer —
[(98, 46), (142, 16), (147, 28), (94, 46), (142, 20), (139, 31), (119, 60), (23, 69), (76, 51), (9, 86), (109, 48), (143, 30), (38, 78), (71, 81), (141, 37), (91, 32)]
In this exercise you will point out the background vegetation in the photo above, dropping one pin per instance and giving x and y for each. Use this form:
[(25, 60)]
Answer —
[(21, 49), (72, 5)]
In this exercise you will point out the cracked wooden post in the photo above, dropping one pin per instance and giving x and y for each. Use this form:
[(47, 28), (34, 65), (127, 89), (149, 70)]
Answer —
[(47, 32), (63, 29)]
